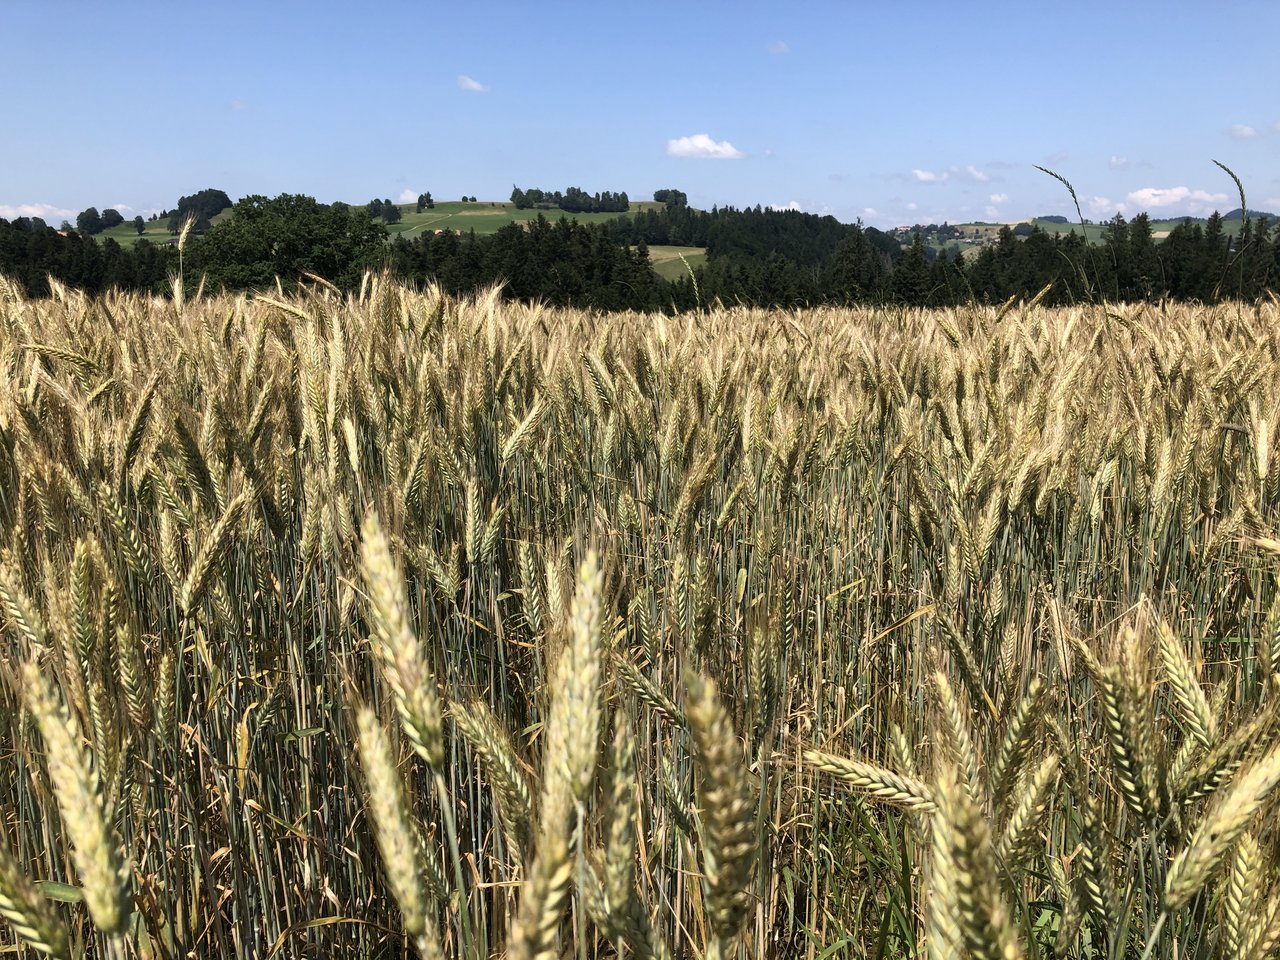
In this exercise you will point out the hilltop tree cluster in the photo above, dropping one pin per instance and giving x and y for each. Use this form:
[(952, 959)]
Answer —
[(573, 200), (383, 210), (200, 207), (90, 223)]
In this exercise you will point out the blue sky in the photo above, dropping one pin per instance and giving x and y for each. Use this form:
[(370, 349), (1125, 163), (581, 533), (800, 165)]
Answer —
[(894, 113)]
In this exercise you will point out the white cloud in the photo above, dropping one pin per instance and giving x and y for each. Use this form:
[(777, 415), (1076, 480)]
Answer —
[(45, 211), (870, 212), (1193, 201), (992, 213), (1117, 162), (928, 176), (999, 198), (779, 48), (702, 147), (976, 175), (238, 104), (1102, 206), (407, 196), (475, 86), (1241, 131), (913, 206), (793, 205), (1057, 156)]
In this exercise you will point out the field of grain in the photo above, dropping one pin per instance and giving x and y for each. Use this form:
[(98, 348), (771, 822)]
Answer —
[(391, 625)]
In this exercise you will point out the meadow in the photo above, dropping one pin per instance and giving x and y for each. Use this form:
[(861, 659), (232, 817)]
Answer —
[(388, 624)]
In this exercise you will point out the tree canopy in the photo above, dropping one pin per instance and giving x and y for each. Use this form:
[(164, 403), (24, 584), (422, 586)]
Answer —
[(285, 237)]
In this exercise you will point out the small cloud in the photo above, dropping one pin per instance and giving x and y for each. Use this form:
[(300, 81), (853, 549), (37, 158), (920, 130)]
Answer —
[(793, 205), (1057, 156), (408, 196), (702, 147), (778, 48), (1102, 206), (913, 206), (238, 104), (475, 86), (1272, 204), (870, 212), (999, 198), (1117, 162), (1001, 165), (991, 213), (1241, 131), (45, 211), (976, 175), (928, 176), (1195, 201)]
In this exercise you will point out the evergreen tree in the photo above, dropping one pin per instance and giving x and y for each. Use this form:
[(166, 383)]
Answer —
[(911, 275)]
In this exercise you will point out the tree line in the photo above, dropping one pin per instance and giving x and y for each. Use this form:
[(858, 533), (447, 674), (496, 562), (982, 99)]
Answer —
[(573, 200), (755, 256)]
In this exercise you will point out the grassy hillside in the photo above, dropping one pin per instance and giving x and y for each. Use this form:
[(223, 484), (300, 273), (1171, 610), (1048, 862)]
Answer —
[(482, 217), (670, 262)]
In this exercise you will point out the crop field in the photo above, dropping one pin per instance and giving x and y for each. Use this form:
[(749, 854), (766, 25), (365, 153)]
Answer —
[(392, 625)]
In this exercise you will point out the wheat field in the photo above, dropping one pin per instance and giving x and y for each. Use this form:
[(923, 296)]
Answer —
[(394, 625)]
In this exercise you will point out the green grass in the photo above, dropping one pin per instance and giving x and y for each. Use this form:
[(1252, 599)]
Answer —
[(668, 265)]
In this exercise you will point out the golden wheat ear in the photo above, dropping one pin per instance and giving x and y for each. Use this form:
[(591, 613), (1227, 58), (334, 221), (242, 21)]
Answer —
[(95, 847), (28, 912), (568, 765), (405, 667), (727, 804), (398, 842)]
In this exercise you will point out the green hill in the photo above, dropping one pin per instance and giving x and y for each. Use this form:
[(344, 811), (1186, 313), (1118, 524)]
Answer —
[(483, 217)]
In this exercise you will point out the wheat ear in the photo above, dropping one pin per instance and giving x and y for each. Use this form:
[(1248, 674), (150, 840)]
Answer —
[(728, 807), (404, 667), (481, 729), (28, 912), (884, 785), (397, 840), (1222, 825), (569, 758), (95, 847), (965, 841)]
